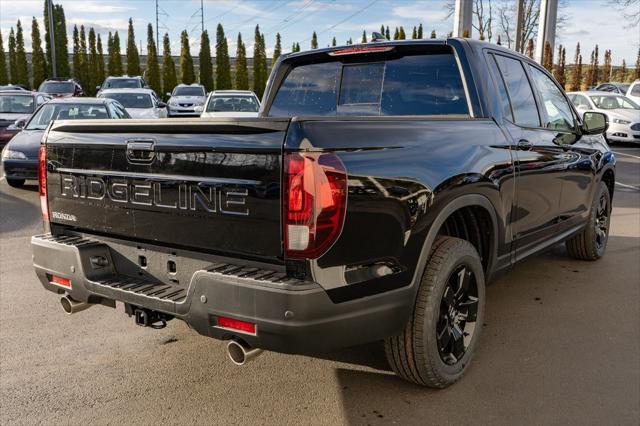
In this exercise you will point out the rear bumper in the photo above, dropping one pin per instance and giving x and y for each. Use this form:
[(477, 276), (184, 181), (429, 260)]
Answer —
[(20, 169), (291, 316), (182, 112)]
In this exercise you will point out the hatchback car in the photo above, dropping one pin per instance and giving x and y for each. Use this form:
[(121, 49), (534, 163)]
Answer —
[(140, 103), (20, 156), (231, 103), (623, 113), (16, 106), (184, 100), (61, 87)]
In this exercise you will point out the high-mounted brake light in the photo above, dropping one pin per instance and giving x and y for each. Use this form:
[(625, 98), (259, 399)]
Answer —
[(315, 199), (362, 49), (42, 182)]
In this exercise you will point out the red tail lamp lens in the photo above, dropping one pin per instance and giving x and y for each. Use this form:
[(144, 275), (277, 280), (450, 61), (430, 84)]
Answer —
[(315, 203), (64, 282), (42, 182)]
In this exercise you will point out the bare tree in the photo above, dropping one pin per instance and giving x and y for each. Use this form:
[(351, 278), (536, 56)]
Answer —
[(482, 17), (630, 10)]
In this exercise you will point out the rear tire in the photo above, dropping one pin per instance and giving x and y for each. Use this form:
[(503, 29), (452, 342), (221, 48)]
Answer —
[(591, 242), (15, 183), (438, 342)]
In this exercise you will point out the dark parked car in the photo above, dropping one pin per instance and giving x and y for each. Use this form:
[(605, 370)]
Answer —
[(378, 191), (20, 156), (16, 106), (61, 88)]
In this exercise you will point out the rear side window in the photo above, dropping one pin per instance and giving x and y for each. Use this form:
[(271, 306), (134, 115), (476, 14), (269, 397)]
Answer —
[(505, 103), (425, 84), (523, 103)]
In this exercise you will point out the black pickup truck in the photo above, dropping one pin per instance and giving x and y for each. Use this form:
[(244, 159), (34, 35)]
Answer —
[(380, 188)]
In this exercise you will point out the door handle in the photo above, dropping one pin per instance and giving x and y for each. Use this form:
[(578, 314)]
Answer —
[(524, 145)]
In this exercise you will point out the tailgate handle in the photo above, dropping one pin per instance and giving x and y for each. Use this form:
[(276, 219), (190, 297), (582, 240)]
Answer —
[(141, 152)]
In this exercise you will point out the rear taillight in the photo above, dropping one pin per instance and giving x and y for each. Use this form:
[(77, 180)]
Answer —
[(42, 182), (315, 200)]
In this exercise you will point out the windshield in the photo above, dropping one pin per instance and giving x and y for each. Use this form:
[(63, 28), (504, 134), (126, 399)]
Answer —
[(65, 111), (62, 87), (614, 102), (17, 104), (122, 83), (188, 91), (131, 100), (233, 103)]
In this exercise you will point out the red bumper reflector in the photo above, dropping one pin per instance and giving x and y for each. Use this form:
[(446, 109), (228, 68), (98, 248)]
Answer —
[(65, 282), (234, 324)]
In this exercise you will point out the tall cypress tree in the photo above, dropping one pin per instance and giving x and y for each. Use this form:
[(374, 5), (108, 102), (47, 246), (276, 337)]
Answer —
[(333, 42), (576, 76), (622, 72), (606, 68), (263, 57), (169, 79), (402, 35), (187, 75), (433, 34), (206, 66), (387, 34), (4, 78), (77, 56), (637, 70), (223, 68), (414, 34), (13, 70), (364, 37), (100, 77), (133, 60), (92, 66), (530, 47), (396, 34), (547, 60), (38, 62), (314, 41), (153, 69), (420, 31), (116, 56), (242, 73), (258, 72), (22, 68), (84, 59), (277, 50), (382, 30), (60, 33)]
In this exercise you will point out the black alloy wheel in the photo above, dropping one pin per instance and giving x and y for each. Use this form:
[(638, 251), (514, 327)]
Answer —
[(458, 314)]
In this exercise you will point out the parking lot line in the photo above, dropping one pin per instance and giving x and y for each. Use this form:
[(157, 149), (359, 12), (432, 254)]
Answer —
[(626, 155), (624, 185)]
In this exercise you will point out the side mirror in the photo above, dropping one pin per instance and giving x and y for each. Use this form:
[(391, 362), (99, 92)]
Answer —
[(162, 105), (18, 124), (198, 108), (168, 94), (594, 123)]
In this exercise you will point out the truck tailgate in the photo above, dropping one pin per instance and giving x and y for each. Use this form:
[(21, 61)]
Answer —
[(212, 185)]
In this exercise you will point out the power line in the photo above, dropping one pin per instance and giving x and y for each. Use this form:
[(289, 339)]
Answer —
[(345, 19), (287, 20)]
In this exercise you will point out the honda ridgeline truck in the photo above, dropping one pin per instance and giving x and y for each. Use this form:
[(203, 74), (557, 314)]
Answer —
[(380, 188)]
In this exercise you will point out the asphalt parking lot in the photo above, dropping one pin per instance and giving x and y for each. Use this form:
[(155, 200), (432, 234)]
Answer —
[(561, 345)]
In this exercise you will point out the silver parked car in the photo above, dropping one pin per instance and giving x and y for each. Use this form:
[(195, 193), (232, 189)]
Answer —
[(231, 103), (184, 100), (140, 103), (623, 113)]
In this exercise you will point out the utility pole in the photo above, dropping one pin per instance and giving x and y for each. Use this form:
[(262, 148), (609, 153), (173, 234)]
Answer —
[(547, 27), (201, 16), (157, 30), (462, 15), (52, 40), (519, 25)]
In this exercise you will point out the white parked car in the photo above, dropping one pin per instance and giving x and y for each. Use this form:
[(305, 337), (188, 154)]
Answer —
[(623, 113), (231, 103), (185, 100), (633, 92), (139, 103)]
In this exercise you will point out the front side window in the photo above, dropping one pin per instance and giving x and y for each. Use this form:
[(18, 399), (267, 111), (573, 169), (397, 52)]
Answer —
[(559, 114), (16, 104), (523, 102), (415, 84)]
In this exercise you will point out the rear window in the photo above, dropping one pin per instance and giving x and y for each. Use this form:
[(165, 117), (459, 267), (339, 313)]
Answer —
[(122, 83), (131, 100), (419, 84), (61, 87)]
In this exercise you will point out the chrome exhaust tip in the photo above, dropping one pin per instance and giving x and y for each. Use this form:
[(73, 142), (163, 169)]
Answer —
[(240, 353), (71, 306)]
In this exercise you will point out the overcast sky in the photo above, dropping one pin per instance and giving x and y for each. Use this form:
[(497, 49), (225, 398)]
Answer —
[(588, 21)]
